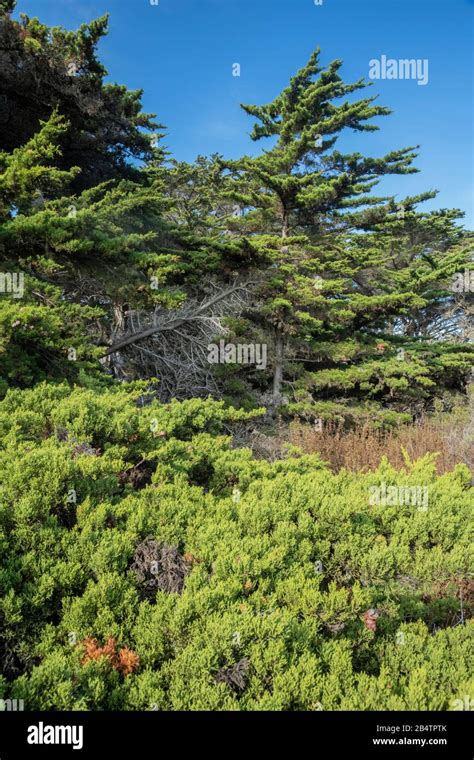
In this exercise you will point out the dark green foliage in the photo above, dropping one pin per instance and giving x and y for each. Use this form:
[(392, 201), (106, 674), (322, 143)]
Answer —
[(346, 288), (42, 69)]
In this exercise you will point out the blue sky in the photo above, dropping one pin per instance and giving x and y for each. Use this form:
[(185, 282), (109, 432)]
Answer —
[(181, 53)]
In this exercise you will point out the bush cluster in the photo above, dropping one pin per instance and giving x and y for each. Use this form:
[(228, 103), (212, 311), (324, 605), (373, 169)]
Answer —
[(147, 564)]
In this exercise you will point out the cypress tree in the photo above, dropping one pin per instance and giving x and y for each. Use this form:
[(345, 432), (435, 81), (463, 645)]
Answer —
[(44, 68), (332, 280)]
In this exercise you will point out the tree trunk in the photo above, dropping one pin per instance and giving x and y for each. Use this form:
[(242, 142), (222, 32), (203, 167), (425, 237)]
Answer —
[(279, 336), (278, 367)]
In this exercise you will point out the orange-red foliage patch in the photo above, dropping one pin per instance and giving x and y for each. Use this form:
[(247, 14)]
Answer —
[(125, 660)]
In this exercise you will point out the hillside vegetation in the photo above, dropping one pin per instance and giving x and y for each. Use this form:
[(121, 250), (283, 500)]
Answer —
[(148, 565), (235, 444)]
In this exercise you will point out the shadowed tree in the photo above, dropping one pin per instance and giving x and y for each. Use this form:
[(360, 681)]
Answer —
[(45, 68)]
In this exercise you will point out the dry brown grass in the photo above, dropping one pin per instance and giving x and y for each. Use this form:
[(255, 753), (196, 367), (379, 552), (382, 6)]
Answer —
[(451, 437)]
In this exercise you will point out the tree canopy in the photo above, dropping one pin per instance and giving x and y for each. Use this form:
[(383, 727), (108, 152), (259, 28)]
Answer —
[(291, 248)]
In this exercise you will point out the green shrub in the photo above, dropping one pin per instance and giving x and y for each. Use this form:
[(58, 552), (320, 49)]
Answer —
[(288, 564)]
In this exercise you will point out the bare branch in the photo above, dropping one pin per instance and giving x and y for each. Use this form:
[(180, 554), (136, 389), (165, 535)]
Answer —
[(173, 324)]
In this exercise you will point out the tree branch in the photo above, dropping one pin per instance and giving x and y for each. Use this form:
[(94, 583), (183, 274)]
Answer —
[(135, 337)]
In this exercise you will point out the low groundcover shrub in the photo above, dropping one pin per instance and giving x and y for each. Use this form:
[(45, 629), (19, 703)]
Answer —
[(149, 565)]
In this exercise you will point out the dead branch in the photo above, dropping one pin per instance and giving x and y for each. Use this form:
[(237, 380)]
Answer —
[(173, 324)]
